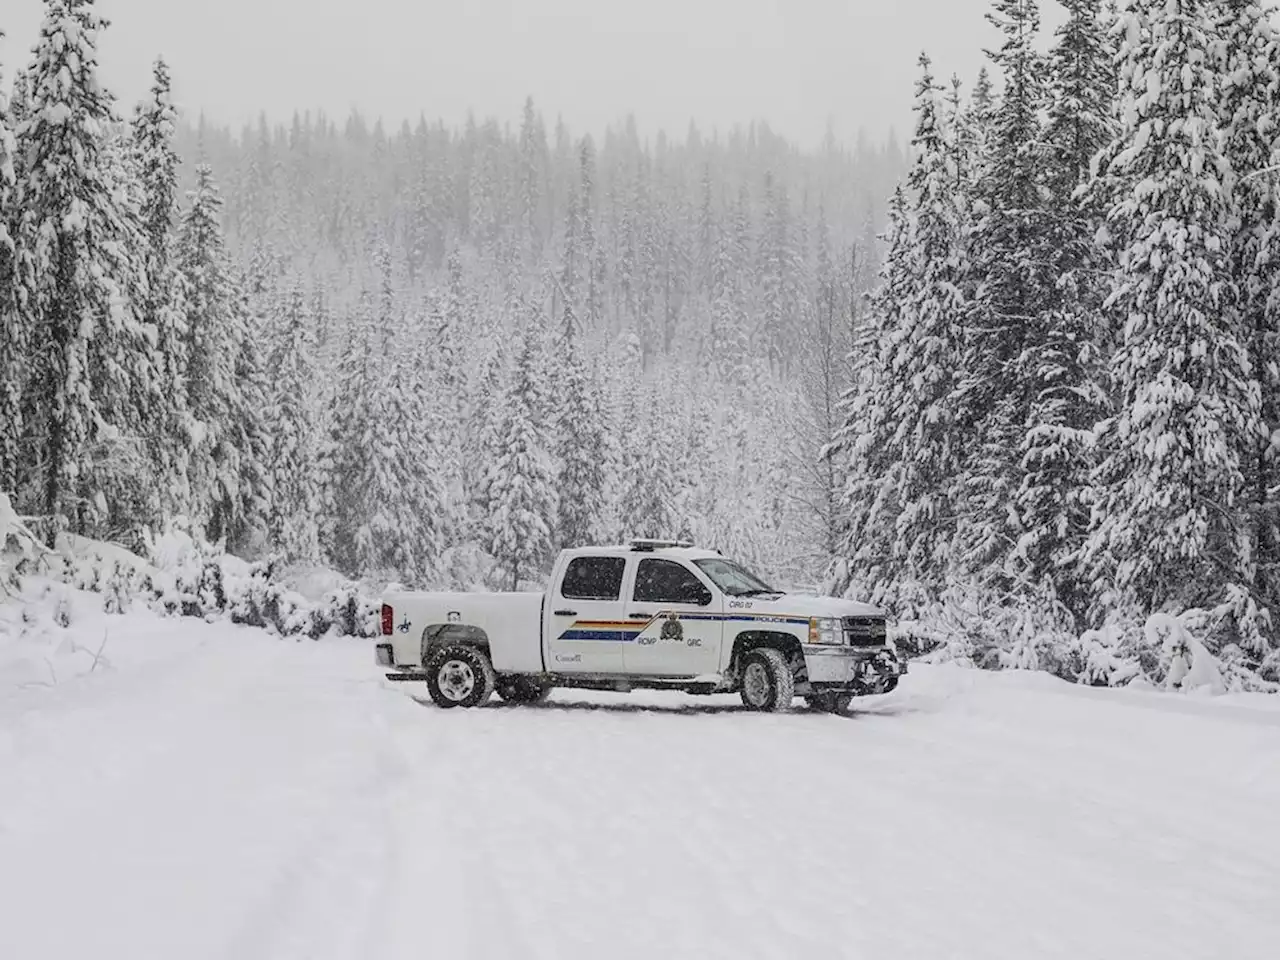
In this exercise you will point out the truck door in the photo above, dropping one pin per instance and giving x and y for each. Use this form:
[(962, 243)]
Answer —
[(682, 617), (586, 629)]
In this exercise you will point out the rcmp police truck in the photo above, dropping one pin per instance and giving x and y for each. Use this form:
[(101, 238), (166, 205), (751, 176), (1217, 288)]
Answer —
[(653, 614)]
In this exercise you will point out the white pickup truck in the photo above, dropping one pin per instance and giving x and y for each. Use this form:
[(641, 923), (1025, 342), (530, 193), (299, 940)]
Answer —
[(653, 614)]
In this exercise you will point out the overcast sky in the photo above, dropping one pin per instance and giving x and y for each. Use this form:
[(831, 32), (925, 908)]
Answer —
[(795, 63)]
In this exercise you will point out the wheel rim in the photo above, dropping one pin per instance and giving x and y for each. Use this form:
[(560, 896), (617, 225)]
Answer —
[(755, 684), (456, 679)]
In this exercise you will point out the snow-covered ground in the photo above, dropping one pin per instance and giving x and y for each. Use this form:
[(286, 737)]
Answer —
[(216, 793)]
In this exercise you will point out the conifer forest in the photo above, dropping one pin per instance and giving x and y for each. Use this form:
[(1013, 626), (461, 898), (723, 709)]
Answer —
[(1014, 377)]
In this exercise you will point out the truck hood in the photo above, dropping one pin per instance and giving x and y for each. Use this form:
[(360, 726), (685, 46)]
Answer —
[(804, 605)]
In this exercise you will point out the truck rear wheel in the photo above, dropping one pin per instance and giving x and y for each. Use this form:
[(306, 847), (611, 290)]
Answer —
[(460, 676), (767, 683), (522, 690)]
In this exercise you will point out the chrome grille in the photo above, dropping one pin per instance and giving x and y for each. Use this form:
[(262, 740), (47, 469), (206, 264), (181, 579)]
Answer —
[(864, 631)]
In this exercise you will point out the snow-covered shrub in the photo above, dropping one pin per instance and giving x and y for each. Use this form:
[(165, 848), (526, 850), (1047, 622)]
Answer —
[(182, 575), (349, 613), (1021, 628), (1269, 672), (1189, 666), (1102, 659), (261, 600), (117, 591), (914, 629)]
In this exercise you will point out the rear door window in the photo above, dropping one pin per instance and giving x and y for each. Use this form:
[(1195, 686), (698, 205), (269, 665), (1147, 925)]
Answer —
[(593, 578)]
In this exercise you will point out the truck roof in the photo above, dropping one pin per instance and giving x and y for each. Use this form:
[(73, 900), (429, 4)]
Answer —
[(684, 553)]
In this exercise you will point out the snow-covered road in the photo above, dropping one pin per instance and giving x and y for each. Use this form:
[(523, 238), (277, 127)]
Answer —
[(220, 794)]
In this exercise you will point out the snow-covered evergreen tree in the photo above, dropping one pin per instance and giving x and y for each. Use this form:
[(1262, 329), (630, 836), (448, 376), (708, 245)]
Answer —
[(78, 270), (164, 305), (1168, 525), (422, 509), (350, 454), (589, 249), (922, 450), (211, 334), (1012, 292), (293, 528), (13, 347), (583, 445), (522, 500), (1064, 364), (1248, 106), (243, 518), (533, 150), (651, 487), (864, 447)]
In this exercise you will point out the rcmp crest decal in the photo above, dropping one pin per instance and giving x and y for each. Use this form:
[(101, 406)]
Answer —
[(672, 629)]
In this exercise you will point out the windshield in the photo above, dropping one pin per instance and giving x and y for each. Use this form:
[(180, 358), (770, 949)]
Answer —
[(731, 578)]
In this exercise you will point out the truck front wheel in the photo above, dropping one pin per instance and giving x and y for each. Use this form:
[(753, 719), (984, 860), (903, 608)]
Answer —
[(460, 677), (767, 683)]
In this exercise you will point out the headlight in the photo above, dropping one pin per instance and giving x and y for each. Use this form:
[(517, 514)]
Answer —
[(826, 630)]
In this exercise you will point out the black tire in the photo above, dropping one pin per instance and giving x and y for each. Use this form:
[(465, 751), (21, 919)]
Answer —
[(460, 676), (522, 690), (829, 702), (767, 683)]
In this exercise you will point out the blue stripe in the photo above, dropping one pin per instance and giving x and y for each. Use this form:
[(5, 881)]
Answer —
[(625, 636), (616, 635)]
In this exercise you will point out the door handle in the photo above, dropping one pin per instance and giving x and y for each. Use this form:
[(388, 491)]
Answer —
[(566, 613), (639, 616)]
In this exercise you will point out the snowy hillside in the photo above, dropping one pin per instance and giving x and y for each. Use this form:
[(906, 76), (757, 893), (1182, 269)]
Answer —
[(218, 793)]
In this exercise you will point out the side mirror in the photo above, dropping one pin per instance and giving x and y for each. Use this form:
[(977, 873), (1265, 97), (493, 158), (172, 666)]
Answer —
[(703, 598)]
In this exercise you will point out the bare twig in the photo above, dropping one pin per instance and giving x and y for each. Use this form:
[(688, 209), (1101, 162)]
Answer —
[(97, 657)]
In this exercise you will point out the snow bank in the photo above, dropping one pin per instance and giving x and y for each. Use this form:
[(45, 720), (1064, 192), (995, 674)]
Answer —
[(1204, 652), (59, 608)]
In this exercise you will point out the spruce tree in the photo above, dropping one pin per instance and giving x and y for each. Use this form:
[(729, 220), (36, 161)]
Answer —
[(522, 497), (1012, 291), (293, 529), (865, 447), (211, 334), (420, 470), (591, 299), (1064, 365), (77, 242), (583, 442), (533, 158), (1169, 529), (156, 161), (243, 518), (775, 266), (1248, 106), (350, 453), (13, 347), (923, 449)]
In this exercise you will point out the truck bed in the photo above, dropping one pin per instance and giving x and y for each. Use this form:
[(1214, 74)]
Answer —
[(512, 623)]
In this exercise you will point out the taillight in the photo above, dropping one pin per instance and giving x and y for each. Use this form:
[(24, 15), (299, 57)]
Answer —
[(388, 620)]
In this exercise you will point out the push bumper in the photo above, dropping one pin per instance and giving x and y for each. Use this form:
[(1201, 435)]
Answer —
[(851, 670)]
